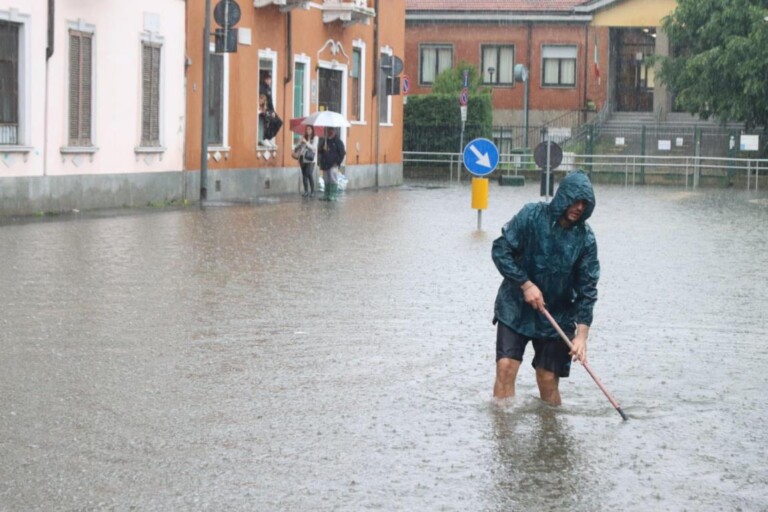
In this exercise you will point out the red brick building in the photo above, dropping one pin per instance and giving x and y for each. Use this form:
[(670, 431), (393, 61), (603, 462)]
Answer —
[(580, 55)]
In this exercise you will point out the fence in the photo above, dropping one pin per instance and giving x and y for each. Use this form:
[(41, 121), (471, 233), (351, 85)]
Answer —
[(693, 140), (629, 170), (668, 153)]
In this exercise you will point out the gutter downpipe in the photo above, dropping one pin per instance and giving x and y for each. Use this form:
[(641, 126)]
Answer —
[(48, 54), (376, 92), (527, 84), (288, 47), (586, 74)]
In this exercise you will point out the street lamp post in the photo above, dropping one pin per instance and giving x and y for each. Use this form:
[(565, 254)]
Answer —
[(521, 75), (491, 71)]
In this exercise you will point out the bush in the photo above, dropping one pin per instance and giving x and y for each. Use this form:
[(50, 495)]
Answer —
[(432, 122)]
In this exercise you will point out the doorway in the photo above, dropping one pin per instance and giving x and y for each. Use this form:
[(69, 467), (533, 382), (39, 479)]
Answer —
[(634, 82)]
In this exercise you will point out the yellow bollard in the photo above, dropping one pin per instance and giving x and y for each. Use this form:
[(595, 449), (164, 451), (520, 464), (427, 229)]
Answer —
[(480, 193), (479, 198)]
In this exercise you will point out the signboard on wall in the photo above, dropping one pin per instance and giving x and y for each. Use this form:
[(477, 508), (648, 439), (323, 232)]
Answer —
[(749, 143)]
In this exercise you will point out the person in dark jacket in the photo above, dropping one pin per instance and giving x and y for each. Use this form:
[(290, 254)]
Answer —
[(547, 254), (331, 154), (269, 121)]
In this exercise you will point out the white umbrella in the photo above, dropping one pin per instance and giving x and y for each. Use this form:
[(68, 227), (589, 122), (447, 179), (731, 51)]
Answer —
[(326, 118)]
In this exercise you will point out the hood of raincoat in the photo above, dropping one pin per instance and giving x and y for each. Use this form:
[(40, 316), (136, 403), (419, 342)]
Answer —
[(574, 187)]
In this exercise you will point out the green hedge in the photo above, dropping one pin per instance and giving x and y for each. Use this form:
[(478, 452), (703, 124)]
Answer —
[(432, 122)]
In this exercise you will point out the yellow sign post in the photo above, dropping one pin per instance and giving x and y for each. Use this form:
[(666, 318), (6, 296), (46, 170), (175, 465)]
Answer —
[(479, 198)]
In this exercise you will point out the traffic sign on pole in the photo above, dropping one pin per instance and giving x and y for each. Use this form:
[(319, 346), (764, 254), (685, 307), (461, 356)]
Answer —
[(481, 156), (466, 78), (405, 84), (464, 97)]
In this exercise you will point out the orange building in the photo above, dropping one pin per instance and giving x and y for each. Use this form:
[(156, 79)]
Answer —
[(322, 55)]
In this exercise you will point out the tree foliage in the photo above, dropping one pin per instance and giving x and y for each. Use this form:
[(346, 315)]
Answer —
[(719, 59), (451, 80)]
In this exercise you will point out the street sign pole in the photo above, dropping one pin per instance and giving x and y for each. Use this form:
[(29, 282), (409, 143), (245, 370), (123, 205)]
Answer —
[(461, 148), (204, 134), (463, 101), (549, 165)]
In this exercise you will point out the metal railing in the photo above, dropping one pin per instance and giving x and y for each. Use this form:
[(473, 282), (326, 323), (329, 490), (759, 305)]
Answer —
[(630, 170), (9, 134)]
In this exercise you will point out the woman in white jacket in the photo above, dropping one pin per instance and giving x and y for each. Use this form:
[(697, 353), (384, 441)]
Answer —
[(307, 160)]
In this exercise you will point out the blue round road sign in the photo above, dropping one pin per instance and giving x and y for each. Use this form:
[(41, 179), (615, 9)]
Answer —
[(481, 156)]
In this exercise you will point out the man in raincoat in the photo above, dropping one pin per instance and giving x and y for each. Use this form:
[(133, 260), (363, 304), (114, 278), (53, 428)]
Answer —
[(547, 255)]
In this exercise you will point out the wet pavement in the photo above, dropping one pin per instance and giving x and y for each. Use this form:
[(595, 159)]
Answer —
[(307, 356)]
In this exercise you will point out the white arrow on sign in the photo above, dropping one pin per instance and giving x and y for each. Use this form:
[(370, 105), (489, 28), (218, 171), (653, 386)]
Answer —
[(482, 158)]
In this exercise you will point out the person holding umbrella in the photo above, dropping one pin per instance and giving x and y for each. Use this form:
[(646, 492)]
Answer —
[(331, 154)]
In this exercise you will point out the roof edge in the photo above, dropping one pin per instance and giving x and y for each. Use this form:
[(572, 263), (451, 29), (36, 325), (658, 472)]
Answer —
[(446, 16), (595, 6)]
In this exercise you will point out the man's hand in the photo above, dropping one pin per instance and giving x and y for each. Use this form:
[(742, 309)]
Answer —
[(533, 296), (579, 342)]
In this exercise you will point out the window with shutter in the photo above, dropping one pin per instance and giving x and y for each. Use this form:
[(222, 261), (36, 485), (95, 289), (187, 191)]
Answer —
[(9, 83), (80, 73), (385, 101), (354, 77), (216, 100), (150, 95)]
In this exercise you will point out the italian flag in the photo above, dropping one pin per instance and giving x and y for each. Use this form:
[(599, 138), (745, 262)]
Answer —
[(597, 60)]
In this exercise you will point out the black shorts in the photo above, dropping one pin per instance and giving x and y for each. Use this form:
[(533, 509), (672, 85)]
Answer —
[(549, 354)]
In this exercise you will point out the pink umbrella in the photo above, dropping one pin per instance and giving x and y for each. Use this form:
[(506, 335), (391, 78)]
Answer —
[(297, 127)]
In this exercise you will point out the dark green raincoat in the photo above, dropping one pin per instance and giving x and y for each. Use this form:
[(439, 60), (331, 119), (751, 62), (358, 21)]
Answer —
[(561, 262)]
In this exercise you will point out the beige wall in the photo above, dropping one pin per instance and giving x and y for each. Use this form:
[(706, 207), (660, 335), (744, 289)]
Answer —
[(116, 88), (635, 13)]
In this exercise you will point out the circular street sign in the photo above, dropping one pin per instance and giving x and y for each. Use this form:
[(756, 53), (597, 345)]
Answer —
[(397, 65), (226, 13), (464, 97), (481, 156), (555, 155)]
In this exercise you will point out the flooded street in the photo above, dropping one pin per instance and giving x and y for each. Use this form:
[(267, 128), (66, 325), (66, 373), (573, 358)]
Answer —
[(303, 356)]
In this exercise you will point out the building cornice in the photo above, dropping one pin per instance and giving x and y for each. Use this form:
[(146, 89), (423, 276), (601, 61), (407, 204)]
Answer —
[(595, 6), (492, 17)]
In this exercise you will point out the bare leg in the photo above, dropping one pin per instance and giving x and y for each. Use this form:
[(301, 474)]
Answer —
[(506, 374), (548, 386)]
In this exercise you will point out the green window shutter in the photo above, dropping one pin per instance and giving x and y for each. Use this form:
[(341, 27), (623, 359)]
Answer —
[(80, 96)]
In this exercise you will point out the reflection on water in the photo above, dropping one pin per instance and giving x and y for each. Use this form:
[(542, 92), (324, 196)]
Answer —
[(537, 464), (310, 356)]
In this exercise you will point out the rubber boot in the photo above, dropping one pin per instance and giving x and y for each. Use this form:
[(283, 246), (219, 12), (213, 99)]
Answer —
[(334, 190), (327, 193)]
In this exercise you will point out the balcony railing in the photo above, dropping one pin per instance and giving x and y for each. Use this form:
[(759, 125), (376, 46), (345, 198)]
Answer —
[(9, 134), (285, 5), (347, 11)]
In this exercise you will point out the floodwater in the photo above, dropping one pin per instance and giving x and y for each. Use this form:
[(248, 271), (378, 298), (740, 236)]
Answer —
[(301, 356)]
